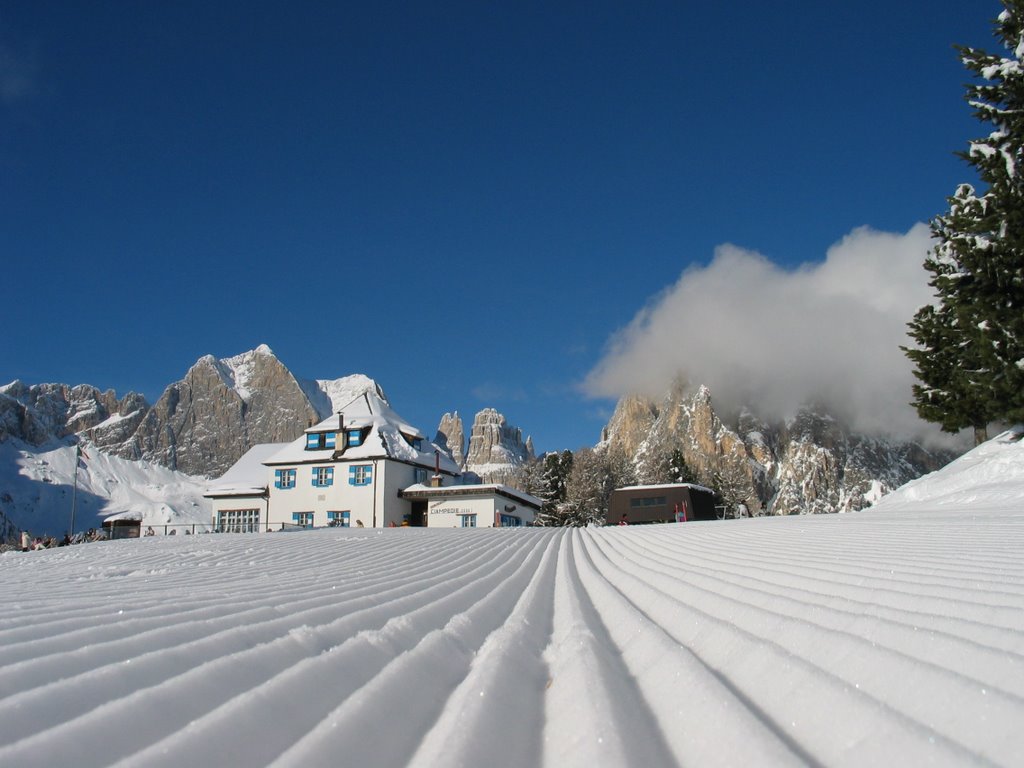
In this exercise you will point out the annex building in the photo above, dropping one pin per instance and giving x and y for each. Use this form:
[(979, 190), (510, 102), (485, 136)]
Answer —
[(667, 503)]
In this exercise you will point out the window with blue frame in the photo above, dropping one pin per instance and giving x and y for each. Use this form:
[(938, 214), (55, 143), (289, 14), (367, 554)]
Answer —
[(354, 437), (360, 474), (323, 477), (319, 441), (415, 442), (468, 521), (340, 519), (284, 479), (304, 519), (510, 521)]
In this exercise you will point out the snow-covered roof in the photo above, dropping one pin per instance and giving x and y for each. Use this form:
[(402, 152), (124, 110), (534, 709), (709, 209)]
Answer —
[(248, 475), (388, 438), (486, 489), (664, 486)]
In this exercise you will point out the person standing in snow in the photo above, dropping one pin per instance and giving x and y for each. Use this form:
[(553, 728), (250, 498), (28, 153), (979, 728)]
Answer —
[(26, 541)]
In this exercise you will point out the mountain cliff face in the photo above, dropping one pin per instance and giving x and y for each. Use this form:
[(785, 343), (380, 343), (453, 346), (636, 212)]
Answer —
[(451, 435), (200, 425), (810, 464), (43, 412), (496, 449)]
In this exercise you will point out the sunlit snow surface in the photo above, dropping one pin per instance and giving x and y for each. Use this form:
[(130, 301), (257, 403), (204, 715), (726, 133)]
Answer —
[(886, 637)]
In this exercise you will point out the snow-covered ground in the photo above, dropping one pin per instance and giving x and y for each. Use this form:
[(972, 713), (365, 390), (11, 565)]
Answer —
[(39, 483), (892, 636)]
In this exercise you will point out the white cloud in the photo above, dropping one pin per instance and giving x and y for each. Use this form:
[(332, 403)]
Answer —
[(773, 338)]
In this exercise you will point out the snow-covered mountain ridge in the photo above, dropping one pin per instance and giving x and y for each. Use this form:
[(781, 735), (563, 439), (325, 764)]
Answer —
[(200, 425)]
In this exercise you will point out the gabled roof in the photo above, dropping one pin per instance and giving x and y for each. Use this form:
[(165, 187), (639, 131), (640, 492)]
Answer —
[(389, 437), (664, 487), (365, 410)]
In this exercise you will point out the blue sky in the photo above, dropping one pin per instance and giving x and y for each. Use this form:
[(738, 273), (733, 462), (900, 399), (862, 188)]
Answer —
[(465, 201)]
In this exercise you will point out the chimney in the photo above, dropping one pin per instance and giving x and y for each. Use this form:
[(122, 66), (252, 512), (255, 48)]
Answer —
[(436, 480)]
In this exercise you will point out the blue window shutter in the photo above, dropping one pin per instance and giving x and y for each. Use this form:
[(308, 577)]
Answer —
[(312, 441), (330, 476), (329, 441), (277, 479)]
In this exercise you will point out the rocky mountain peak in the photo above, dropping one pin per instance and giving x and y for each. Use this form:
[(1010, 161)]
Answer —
[(496, 448), (200, 425), (43, 412), (631, 423), (810, 463), (452, 437)]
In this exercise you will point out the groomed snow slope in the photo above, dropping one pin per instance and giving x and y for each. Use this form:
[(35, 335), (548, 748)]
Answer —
[(884, 637)]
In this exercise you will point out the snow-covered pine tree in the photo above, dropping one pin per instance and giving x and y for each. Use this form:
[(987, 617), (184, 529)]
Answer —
[(969, 357), (596, 472), (731, 485), (528, 477), (668, 466), (555, 469)]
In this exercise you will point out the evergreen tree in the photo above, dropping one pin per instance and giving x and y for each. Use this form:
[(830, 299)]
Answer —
[(528, 477), (730, 485), (969, 357), (595, 474), (670, 466), (554, 480)]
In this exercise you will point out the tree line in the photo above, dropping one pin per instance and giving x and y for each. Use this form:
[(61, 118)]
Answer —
[(576, 486)]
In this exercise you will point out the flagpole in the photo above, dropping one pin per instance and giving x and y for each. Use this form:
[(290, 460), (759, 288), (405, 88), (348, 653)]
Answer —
[(74, 493)]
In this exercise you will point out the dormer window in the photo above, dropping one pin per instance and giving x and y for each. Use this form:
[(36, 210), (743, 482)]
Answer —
[(354, 437), (320, 441), (415, 442)]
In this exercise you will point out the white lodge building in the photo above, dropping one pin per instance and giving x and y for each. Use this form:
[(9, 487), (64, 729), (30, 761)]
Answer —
[(364, 467)]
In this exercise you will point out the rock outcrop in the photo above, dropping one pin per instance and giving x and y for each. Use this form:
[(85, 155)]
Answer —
[(43, 412), (810, 464), (451, 436), (202, 424), (496, 449)]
